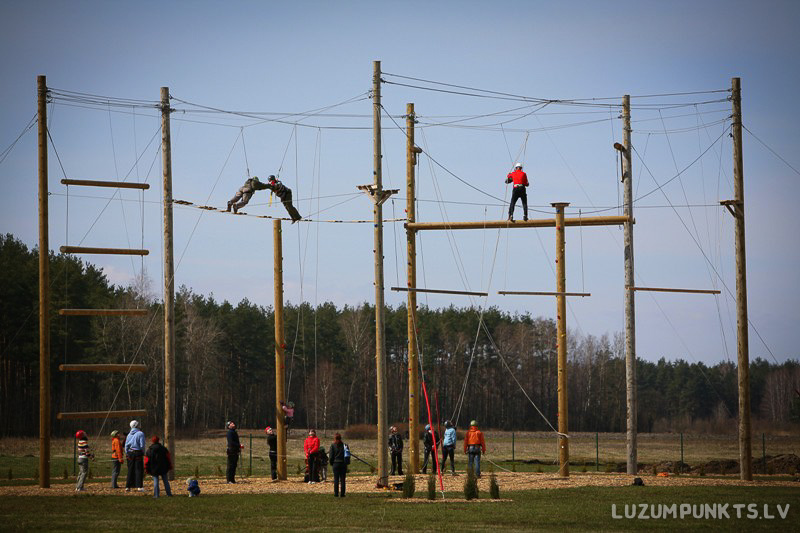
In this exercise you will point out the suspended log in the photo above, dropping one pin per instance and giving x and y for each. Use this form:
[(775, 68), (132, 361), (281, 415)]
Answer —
[(103, 312), (537, 223), (77, 415), (440, 291), (661, 289), (111, 251), (104, 367), (543, 293), (115, 184)]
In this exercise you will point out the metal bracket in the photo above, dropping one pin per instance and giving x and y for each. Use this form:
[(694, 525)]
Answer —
[(733, 206), (377, 197)]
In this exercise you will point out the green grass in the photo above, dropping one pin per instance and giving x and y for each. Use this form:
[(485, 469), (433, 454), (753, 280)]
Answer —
[(576, 509)]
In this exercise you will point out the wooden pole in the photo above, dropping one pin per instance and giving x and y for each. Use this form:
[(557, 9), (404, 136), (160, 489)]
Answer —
[(561, 331), (280, 343), (630, 308), (411, 247), (745, 444), (44, 291), (505, 224), (169, 284), (380, 345)]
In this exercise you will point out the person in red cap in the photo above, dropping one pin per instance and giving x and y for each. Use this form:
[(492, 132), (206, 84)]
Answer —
[(520, 181), (272, 442), (84, 454), (158, 463)]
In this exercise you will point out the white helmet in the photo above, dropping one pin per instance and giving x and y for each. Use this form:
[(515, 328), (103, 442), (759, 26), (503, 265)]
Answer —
[(518, 165)]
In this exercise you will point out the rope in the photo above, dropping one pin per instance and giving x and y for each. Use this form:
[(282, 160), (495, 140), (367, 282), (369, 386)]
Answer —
[(185, 203)]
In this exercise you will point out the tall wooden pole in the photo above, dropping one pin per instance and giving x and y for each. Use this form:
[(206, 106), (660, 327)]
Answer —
[(411, 247), (280, 343), (44, 291), (630, 295), (561, 332), (745, 443), (169, 283), (380, 344)]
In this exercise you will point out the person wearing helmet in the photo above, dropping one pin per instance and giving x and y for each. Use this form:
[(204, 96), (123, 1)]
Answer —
[(288, 412), (449, 446), (117, 457), (474, 445), (396, 450), (285, 194), (311, 447), (520, 182), (245, 192), (84, 454), (134, 453), (272, 442), (233, 450), (430, 443)]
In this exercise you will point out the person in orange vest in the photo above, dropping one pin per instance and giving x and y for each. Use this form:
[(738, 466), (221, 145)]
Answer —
[(117, 458), (520, 181), (474, 446)]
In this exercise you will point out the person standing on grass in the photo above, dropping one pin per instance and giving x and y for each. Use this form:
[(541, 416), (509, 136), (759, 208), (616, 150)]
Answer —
[(134, 452), (338, 460), (311, 447), (272, 442), (158, 463), (474, 445), (117, 457), (396, 449), (84, 454), (430, 443), (449, 446), (233, 450)]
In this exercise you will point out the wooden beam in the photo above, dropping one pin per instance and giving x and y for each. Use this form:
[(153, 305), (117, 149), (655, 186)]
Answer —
[(111, 251), (535, 223), (102, 368), (543, 293), (115, 184), (661, 289), (78, 415), (440, 291), (103, 312)]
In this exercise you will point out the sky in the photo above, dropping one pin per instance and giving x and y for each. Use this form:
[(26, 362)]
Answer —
[(275, 61)]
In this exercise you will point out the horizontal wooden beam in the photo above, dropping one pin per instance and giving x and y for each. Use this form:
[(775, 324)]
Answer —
[(77, 415), (661, 289), (114, 367), (542, 293), (115, 184), (440, 291), (103, 312), (536, 223), (111, 251)]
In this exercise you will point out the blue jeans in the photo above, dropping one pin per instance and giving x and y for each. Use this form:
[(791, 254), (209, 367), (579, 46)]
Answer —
[(475, 463), (166, 485)]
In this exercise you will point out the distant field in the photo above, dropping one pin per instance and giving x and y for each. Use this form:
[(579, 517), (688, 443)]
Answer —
[(207, 455)]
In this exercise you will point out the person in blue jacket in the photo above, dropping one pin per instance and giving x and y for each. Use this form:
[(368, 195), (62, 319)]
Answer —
[(134, 453), (449, 446)]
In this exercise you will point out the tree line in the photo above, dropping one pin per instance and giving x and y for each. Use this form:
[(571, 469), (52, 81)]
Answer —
[(225, 363)]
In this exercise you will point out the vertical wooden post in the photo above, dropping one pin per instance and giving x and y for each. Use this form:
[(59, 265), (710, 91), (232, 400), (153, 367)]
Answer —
[(44, 290), (745, 444), (169, 284), (280, 343), (561, 331), (630, 308), (411, 247), (380, 344)]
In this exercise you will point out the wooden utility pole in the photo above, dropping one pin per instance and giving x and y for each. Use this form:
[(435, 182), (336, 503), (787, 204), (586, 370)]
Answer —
[(745, 443), (411, 247), (280, 343), (380, 343), (44, 291), (561, 332), (169, 283), (630, 308)]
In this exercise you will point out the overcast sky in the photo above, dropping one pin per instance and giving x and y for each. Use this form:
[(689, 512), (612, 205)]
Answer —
[(292, 57)]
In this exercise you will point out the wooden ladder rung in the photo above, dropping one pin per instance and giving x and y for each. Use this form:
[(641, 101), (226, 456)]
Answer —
[(112, 251), (77, 415), (103, 312), (102, 367), (116, 184)]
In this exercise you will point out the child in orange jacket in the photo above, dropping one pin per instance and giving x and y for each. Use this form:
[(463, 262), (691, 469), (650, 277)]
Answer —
[(117, 457)]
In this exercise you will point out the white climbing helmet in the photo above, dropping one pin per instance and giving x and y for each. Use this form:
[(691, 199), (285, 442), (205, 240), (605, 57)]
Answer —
[(518, 165)]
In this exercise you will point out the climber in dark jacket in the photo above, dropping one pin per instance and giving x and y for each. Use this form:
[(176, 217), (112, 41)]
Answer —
[(246, 192), (285, 194)]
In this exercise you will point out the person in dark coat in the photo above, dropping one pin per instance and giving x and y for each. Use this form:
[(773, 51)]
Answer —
[(338, 460), (158, 463), (396, 449), (428, 445), (272, 442), (233, 451), (285, 194)]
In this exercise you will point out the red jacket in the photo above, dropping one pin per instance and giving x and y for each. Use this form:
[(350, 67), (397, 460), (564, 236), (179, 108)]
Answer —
[(311, 445), (518, 177)]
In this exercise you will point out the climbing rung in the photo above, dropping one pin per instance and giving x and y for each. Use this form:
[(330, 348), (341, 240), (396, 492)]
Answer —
[(112, 251), (77, 415), (102, 312), (113, 367), (542, 293), (440, 291), (661, 289), (116, 184)]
